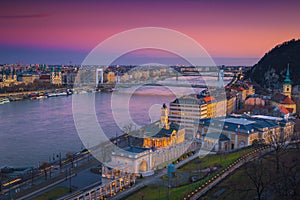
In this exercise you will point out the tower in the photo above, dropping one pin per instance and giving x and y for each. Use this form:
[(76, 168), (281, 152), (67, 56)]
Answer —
[(59, 78), (164, 119), (221, 79), (97, 76), (287, 87), (56, 78), (52, 75)]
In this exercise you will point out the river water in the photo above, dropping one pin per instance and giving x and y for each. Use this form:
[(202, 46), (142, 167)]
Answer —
[(32, 131)]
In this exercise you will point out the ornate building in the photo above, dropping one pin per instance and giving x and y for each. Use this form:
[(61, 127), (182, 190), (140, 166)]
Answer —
[(9, 80), (285, 98), (287, 86), (163, 142), (56, 77), (237, 131)]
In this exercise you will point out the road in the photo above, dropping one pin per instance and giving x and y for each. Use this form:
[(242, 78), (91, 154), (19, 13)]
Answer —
[(57, 176)]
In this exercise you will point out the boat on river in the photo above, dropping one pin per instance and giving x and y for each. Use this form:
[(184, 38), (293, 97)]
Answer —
[(4, 100)]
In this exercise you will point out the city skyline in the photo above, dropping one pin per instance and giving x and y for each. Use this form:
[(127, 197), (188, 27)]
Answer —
[(234, 32)]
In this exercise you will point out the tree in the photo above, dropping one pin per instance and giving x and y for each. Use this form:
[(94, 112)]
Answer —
[(258, 175), (285, 183), (128, 129), (279, 143)]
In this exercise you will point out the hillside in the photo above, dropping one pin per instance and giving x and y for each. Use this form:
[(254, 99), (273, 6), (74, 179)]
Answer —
[(270, 71)]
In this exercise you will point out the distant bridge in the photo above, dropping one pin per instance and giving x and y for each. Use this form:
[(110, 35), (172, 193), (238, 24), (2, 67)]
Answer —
[(177, 83), (128, 85), (210, 74)]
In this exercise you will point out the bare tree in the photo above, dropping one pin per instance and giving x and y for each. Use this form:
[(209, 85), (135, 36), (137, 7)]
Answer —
[(128, 128), (285, 183), (258, 175), (279, 143)]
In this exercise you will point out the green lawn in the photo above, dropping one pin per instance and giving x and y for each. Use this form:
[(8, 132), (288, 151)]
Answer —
[(213, 160), (53, 194), (150, 192)]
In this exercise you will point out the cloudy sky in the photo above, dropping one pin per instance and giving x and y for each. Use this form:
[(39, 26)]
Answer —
[(232, 31)]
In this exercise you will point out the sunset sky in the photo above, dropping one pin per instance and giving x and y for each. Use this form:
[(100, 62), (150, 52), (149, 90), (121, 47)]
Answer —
[(232, 31)]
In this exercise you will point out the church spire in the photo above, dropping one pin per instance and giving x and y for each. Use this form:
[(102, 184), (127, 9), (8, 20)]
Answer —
[(287, 86), (287, 76)]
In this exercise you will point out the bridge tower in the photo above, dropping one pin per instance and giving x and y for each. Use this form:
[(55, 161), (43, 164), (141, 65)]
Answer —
[(97, 76), (221, 78)]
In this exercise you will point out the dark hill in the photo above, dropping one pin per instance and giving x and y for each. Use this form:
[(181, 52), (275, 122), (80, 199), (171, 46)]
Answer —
[(270, 71)]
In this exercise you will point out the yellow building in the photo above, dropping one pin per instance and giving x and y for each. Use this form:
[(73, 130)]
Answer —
[(231, 103), (56, 77), (211, 106), (162, 144), (221, 107), (164, 135), (109, 77), (29, 78), (9, 80), (285, 99)]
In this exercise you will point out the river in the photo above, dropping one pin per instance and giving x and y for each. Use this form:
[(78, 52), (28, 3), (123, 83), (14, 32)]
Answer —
[(32, 131)]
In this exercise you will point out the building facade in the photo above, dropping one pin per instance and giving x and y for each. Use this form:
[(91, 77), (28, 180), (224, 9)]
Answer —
[(163, 143), (185, 110), (238, 131), (9, 80), (285, 98), (56, 77)]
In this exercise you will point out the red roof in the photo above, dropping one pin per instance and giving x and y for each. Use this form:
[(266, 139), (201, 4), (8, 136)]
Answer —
[(288, 100), (280, 98), (283, 109), (209, 98), (290, 110), (239, 88)]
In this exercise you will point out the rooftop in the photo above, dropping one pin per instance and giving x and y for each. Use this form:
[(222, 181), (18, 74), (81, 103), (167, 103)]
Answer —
[(267, 117), (246, 124), (241, 121), (153, 130)]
